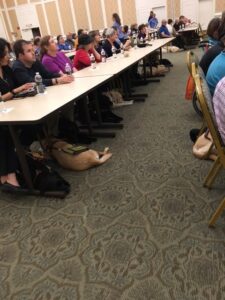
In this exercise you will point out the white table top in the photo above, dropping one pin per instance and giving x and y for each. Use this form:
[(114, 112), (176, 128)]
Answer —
[(70, 54), (189, 28), (114, 66), (35, 108)]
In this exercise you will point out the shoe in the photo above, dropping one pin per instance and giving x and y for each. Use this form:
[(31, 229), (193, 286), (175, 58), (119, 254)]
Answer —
[(10, 188), (111, 115), (194, 134)]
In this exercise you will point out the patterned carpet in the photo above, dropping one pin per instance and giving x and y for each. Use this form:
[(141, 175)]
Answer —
[(132, 229)]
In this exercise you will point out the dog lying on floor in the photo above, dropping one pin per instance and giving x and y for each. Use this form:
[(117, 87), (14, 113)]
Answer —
[(77, 158)]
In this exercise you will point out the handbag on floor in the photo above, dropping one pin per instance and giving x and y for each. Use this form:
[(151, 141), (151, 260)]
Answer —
[(45, 179), (204, 147)]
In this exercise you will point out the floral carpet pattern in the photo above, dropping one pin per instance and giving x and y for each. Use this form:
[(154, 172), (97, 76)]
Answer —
[(132, 229)]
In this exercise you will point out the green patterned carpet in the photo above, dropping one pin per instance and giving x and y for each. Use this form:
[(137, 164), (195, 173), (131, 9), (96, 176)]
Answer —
[(134, 228)]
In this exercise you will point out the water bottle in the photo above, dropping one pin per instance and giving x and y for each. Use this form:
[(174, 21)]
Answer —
[(68, 69), (103, 55), (39, 84), (121, 48), (156, 35), (114, 52), (135, 41), (141, 40), (92, 58), (2, 104)]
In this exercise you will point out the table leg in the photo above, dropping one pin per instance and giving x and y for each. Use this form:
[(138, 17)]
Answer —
[(21, 157)]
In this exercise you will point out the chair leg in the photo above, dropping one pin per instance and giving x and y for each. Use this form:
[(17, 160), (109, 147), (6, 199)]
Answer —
[(217, 213), (213, 173)]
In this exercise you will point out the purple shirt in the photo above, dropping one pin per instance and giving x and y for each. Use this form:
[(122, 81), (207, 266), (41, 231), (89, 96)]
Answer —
[(55, 64), (219, 107)]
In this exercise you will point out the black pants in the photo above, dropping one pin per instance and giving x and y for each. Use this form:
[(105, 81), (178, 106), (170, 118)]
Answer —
[(8, 157)]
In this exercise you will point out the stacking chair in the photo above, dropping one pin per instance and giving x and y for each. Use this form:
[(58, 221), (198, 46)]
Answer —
[(205, 100), (191, 57)]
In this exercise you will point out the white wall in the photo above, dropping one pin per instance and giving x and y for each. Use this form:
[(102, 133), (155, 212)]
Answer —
[(3, 32), (206, 12), (143, 8)]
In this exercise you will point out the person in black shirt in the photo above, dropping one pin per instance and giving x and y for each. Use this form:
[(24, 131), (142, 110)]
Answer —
[(26, 66), (8, 158), (24, 70), (110, 42)]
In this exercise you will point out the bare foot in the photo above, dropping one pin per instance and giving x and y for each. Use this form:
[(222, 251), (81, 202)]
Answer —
[(11, 178), (3, 179)]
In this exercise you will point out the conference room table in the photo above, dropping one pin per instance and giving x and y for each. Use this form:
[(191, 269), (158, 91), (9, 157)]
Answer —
[(190, 35), (34, 110), (114, 66)]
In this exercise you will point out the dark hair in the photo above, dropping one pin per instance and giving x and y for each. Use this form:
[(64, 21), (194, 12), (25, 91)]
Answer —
[(3, 45), (44, 42), (170, 21), (116, 18), (93, 33), (18, 47), (133, 27), (140, 27), (221, 29), (212, 29), (37, 40), (58, 37), (80, 31), (84, 39), (125, 28)]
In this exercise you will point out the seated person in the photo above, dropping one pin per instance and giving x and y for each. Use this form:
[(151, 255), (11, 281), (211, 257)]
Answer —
[(176, 25), (26, 66), (142, 32), (110, 42), (163, 30), (153, 22), (8, 161), (211, 54), (219, 107), (79, 32), (126, 32), (62, 46), (69, 40), (212, 31), (95, 35), (53, 60), (183, 21), (134, 28), (216, 71), (37, 49), (170, 27), (85, 48), (24, 70)]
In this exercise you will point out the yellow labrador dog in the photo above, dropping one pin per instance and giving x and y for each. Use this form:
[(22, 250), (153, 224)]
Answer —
[(80, 161)]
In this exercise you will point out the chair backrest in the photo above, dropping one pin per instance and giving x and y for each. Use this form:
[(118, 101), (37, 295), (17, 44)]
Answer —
[(205, 101), (191, 58)]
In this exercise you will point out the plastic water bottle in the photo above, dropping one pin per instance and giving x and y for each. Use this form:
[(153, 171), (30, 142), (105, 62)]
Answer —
[(114, 52), (103, 55), (2, 105), (156, 36), (68, 69), (121, 48), (135, 41), (92, 58), (141, 40), (39, 84)]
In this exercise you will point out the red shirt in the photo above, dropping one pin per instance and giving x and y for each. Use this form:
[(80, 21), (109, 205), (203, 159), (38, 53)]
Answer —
[(82, 59)]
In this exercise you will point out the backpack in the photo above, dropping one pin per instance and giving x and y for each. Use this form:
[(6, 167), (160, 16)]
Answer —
[(46, 181)]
